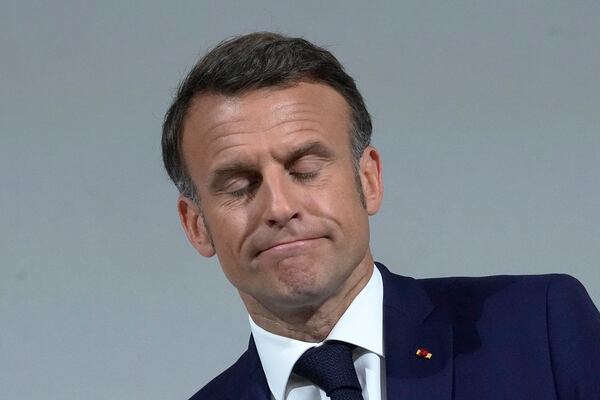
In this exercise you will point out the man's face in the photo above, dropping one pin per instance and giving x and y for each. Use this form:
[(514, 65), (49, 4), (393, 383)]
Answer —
[(279, 201)]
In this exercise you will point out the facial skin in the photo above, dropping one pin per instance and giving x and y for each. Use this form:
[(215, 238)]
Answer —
[(279, 202)]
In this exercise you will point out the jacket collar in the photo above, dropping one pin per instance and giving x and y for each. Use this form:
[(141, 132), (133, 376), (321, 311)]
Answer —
[(252, 382), (410, 322)]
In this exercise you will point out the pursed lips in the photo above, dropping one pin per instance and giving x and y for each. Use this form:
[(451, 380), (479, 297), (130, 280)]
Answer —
[(286, 245)]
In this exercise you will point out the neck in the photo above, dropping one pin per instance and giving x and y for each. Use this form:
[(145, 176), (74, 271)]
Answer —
[(311, 323)]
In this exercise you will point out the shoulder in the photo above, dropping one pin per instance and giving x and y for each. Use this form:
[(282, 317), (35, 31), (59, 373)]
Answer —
[(502, 288), (494, 281), (551, 304)]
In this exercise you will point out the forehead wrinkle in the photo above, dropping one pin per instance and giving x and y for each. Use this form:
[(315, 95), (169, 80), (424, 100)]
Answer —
[(228, 130), (311, 114), (227, 146), (222, 126), (227, 127), (296, 125)]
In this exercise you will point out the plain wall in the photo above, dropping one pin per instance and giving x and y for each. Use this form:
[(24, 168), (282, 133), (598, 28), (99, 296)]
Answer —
[(486, 113)]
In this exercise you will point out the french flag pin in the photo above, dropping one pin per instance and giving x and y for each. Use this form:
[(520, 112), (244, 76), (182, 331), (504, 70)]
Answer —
[(424, 353)]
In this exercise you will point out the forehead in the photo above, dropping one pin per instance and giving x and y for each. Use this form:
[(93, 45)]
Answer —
[(218, 126)]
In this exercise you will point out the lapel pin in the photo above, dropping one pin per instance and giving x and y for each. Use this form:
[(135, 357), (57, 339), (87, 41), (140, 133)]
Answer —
[(424, 353)]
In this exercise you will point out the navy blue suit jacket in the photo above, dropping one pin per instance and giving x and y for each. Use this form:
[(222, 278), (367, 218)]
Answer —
[(500, 337)]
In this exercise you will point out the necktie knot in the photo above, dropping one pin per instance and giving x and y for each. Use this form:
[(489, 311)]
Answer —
[(330, 366)]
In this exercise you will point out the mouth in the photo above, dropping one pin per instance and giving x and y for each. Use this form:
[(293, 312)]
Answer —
[(288, 246)]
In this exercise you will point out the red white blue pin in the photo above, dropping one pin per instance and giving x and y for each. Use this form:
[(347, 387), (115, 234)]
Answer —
[(422, 352)]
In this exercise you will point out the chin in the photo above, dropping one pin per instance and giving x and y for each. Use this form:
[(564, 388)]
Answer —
[(304, 289), (305, 300)]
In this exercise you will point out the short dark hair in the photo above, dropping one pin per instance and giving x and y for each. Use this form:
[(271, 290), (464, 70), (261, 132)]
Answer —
[(254, 61)]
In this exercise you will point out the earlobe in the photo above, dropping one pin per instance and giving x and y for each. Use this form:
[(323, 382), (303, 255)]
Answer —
[(371, 179), (195, 227)]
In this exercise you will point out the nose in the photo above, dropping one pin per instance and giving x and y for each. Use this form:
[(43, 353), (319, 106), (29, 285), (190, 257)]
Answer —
[(280, 199)]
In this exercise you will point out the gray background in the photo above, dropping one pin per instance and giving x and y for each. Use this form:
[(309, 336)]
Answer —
[(487, 115)]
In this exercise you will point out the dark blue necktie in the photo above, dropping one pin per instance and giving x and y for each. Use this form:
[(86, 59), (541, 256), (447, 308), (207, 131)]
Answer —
[(331, 368)]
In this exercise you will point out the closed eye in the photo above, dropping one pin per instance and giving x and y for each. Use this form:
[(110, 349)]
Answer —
[(241, 186), (307, 167)]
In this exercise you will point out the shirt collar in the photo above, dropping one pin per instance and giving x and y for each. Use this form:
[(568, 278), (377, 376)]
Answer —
[(361, 324)]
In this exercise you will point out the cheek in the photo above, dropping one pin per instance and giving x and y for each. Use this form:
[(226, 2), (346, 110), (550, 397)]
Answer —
[(345, 193), (342, 206), (228, 234)]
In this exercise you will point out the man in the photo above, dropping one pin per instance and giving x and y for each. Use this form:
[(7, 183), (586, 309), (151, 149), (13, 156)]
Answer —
[(268, 142)]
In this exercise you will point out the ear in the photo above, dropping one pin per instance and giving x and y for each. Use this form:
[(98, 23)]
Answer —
[(370, 177), (195, 227)]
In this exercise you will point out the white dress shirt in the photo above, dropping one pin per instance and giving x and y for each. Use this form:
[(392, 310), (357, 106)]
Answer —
[(361, 324)]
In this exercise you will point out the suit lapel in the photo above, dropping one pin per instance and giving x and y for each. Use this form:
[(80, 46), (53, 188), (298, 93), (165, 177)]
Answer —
[(410, 322), (253, 385)]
